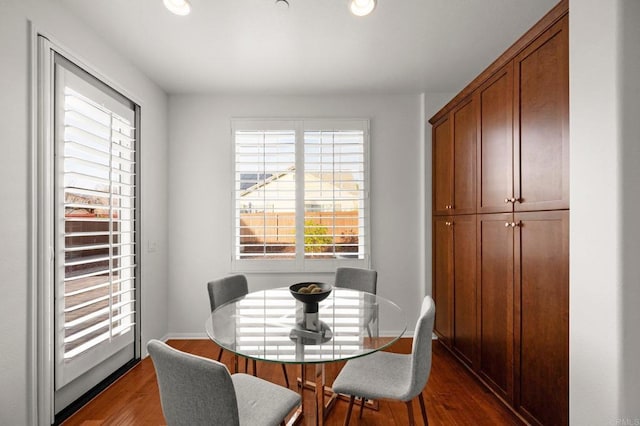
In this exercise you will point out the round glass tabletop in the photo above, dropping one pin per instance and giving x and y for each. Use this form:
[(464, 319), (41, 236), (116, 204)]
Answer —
[(271, 325)]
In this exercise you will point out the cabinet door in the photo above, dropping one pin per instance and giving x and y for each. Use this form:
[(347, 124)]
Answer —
[(495, 147), (442, 168), (495, 302), (542, 122), (464, 287), (542, 317), (443, 276), (464, 157)]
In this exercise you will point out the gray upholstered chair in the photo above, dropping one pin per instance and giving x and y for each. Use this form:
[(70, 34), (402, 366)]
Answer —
[(385, 375), (357, 279), (224, 290), (199, 391), (362, 280)]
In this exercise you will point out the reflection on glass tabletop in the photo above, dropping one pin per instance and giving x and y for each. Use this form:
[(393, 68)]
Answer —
[(270, 325)]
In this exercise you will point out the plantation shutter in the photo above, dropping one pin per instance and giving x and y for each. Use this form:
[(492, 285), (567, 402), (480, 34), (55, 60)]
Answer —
[(265, 194), (95, 224), (334, 194)]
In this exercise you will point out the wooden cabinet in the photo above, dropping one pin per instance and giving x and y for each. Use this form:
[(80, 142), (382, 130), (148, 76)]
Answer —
[(541, 136), (542, 316), (501, 224), (465, 129), (454, 248), (523, 148), (495, 148), (443, 276), (454, 161), (442, 167), (464, 288), (523, 317), (495, 302)]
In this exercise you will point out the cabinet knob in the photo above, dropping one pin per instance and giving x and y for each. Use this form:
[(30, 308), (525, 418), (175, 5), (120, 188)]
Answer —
[(449, 206), (448, 223), (514, 224), (507, 224), (510, 200)]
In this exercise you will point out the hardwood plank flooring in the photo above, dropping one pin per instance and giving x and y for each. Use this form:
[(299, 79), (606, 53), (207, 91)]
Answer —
[(452, 395)]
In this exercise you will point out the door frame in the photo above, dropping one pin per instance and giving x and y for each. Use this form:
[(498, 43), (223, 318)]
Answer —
[(40, 382)]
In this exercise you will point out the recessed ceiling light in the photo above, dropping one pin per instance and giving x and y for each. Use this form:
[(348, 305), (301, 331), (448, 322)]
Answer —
[(362, 7), (179, 7)]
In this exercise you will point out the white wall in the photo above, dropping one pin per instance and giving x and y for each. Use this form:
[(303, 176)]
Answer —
[(200, 192), (605, 206), (16, 329)]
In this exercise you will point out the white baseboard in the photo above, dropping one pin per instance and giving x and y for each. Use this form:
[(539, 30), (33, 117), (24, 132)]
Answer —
[(175, 336), (186, 336)]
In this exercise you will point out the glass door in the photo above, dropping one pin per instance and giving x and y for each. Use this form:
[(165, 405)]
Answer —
[(95, 200)]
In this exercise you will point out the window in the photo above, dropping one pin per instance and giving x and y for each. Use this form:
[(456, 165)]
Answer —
[(300, 194)]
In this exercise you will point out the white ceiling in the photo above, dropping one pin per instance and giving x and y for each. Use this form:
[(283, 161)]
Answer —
[(314, 46)]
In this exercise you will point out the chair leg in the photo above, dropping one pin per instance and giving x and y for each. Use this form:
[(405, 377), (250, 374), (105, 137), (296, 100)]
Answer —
[(235, 363), (425, 419), (361, 405), (255, 369), (219, 355), (369, 331), (412, 421), (286, 377), (347, 417)]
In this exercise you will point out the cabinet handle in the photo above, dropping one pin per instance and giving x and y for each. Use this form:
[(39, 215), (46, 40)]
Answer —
[(448, 223), (510, 200), (449, 206)]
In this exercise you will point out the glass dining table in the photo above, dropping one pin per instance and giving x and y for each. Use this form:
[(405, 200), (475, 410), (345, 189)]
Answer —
[(272, 326)]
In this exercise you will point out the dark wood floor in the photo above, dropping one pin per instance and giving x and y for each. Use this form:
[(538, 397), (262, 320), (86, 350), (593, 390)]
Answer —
[(452, 395)]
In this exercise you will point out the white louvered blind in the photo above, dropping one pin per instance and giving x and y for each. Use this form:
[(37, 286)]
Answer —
[(265, 194), (300, 194), (334, 194), (97, 196)]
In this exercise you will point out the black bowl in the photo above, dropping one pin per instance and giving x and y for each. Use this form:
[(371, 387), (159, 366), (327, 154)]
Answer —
[(310, 297)]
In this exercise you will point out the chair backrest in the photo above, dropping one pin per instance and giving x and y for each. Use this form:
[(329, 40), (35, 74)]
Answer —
[(357, 279), (421, 347), (193, 390), (225, 289)]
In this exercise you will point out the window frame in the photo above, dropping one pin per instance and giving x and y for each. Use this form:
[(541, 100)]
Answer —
[(299, 126)]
